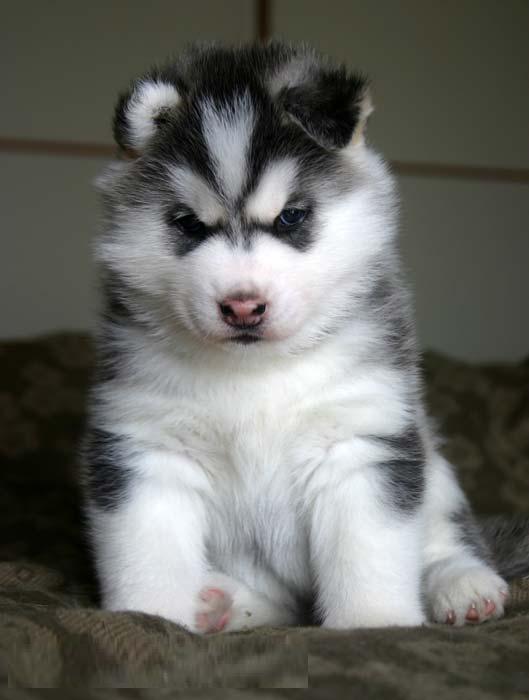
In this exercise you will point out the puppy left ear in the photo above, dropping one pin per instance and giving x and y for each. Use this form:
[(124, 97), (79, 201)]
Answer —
[(142, 111), (332, 106)]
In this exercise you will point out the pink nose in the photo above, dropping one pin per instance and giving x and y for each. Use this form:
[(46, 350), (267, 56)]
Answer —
[(242, 311)]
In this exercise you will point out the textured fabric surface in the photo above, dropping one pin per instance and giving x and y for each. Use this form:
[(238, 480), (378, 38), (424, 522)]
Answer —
[(52, 634)]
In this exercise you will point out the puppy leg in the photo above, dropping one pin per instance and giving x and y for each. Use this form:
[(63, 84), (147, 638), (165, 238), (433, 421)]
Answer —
[(460, 583), (365, 550), (150, 551)]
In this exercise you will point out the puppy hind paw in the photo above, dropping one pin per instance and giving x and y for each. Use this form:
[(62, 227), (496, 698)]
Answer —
[(214, 610)]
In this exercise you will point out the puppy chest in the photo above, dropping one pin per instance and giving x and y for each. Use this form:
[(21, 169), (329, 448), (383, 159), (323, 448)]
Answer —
[(258, 520)]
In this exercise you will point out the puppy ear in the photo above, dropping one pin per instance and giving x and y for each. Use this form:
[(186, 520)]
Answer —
[(331, 105), (142, 111)]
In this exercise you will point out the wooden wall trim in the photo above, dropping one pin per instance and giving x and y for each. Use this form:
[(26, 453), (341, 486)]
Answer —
[(263, 20), (57, 148), (263, 32), (405, 168), (461, 172)]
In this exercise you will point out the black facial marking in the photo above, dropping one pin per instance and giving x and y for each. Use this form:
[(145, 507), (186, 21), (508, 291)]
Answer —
[(107, 478), (404, 471), (190, 225), (219, 76), (187, 229), (299, 235)]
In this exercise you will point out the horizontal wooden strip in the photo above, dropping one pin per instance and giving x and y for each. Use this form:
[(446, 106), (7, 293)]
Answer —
[(400, 167), (58, 148), (465, 172)]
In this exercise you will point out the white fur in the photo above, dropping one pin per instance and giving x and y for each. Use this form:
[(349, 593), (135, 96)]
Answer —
[(273, 191), (253, 466), (227, 133), (149, 99), (453, 576), (198, 195)]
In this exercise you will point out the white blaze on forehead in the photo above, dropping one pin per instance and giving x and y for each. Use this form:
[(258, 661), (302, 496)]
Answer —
[(227, 132), (195, 193), (273, 190)]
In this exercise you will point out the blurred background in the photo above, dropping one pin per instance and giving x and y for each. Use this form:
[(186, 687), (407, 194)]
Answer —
[(451, 90)]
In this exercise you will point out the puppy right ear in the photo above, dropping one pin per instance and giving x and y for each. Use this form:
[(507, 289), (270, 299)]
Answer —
[(142, 111), (331, 105)]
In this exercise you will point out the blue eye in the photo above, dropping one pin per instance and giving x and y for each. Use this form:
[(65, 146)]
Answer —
[(290, 217)]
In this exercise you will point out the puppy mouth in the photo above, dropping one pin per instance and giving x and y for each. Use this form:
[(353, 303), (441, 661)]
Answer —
[(244, 338)]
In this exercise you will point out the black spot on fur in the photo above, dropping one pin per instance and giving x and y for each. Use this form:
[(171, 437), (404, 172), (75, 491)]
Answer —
[(404, 472), (388, 302), (116, 311), (106, 474)]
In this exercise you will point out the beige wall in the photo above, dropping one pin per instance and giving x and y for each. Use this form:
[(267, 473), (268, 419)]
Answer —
[(450, 78), (62, 66), (65, 60), (450, 82), (466, 247), (48, 216)]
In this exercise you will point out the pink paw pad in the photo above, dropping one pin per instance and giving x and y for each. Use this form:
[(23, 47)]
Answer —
[(490, 606), (472, 613), (214, 610)]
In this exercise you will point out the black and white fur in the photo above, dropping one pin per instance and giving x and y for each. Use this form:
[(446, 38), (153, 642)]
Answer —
[(240, 474)]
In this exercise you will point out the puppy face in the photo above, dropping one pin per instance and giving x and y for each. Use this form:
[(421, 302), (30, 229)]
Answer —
[(252, 214)]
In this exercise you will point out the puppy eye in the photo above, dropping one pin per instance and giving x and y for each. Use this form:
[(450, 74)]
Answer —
[(189, 224), (290, 217)]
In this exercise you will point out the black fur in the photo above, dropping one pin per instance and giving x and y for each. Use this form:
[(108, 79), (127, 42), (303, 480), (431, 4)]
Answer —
[(116, 311), (300, 236), (508, 539), (470, 534), (185, 242), (325, 101), (389, 303), (306, 122), (327, 107), (106, 475), (404, 472)]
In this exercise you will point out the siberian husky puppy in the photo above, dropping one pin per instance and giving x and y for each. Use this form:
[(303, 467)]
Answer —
[(257, 446)]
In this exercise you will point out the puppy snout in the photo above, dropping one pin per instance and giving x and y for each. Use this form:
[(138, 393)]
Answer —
[(242, 311)]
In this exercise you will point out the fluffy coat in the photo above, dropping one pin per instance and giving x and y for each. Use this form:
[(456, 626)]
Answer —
[(258, 451)]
